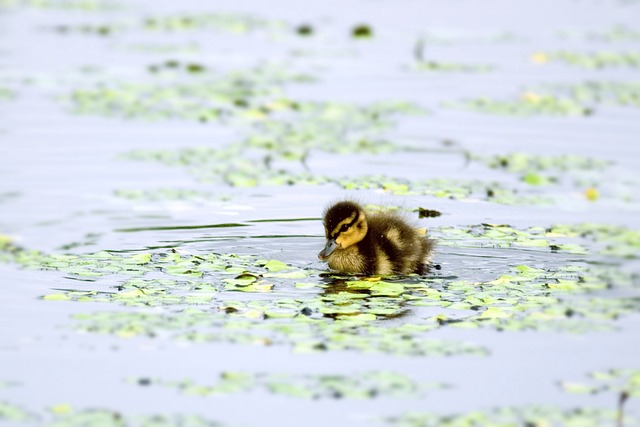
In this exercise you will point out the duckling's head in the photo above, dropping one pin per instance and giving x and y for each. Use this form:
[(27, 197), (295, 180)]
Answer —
[(345, 224)]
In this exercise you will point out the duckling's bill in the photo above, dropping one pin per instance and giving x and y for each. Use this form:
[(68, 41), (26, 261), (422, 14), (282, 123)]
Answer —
[(328, 249)]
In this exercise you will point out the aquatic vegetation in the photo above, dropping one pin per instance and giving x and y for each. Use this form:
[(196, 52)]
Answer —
[(188, 290), (625, 94), (330, 126), (231, 23), (528, 104), (611, 381), (6, 94), (163, 194), (523, 162), (82, 5), (286, 129), (343, 313), (362, 31), (250, 94), (544, 170), (229, 165), (608, 240), (591, 60), (437, 66), (559, 99), (615, 34), (172, 262), (14, 413), (510, 416), (359, 385), (164, 48), (65, 415), (227, 22), (301, 333), (442, 37)]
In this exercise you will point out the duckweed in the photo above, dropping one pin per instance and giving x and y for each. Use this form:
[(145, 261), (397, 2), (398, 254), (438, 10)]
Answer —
[(106, 417), (617, 33), (82, 5), (13, 413), (594, 60), (451, 38), (545, 170), (341, 314), (522, 162), (230, 23), (163, 194), (6, 94), (559, 99), (510, 416), (608, 240), (237, 171), (363, 385), (361, 31), (437, 66), (210, 97), (610, 381)]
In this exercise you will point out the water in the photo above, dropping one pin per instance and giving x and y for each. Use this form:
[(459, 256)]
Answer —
[(60, 173)]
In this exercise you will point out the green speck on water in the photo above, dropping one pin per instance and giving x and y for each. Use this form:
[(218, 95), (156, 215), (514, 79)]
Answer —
[(362, 31)]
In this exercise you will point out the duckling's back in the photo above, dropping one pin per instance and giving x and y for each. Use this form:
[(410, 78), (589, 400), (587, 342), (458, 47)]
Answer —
[(394, 247)]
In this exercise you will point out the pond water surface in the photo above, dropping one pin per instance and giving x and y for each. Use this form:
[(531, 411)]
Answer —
[(164, 168)]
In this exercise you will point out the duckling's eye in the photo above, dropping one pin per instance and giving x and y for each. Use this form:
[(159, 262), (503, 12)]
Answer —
[(344, 228)]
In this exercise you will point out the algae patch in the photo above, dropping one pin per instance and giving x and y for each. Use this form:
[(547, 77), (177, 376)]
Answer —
[(359, 385)]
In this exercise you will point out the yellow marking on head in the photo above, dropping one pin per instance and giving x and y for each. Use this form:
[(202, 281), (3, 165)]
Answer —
[(345, 221), (353, 234)]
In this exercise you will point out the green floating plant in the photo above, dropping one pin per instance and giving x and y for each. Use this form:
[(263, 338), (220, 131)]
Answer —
[(228, 165), (559, 99), (364, 385), (592, 59), (230, 23), (329, 126), (617, 33), (436, 37), (343, 313), (540, 170), (226, 22), (451, 67), (14, 413), (231, 166), (510, 416), (523, 162), (616, 381), (172, 262), (145, 292), (609, 240), (7, 94), (161, 194), (362, 31), (82, 5), (105, 417), (592, 93), (300, 332), (208, 96)]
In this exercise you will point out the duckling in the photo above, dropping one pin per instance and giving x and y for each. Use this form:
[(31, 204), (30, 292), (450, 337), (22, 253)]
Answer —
[(380, 243)]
